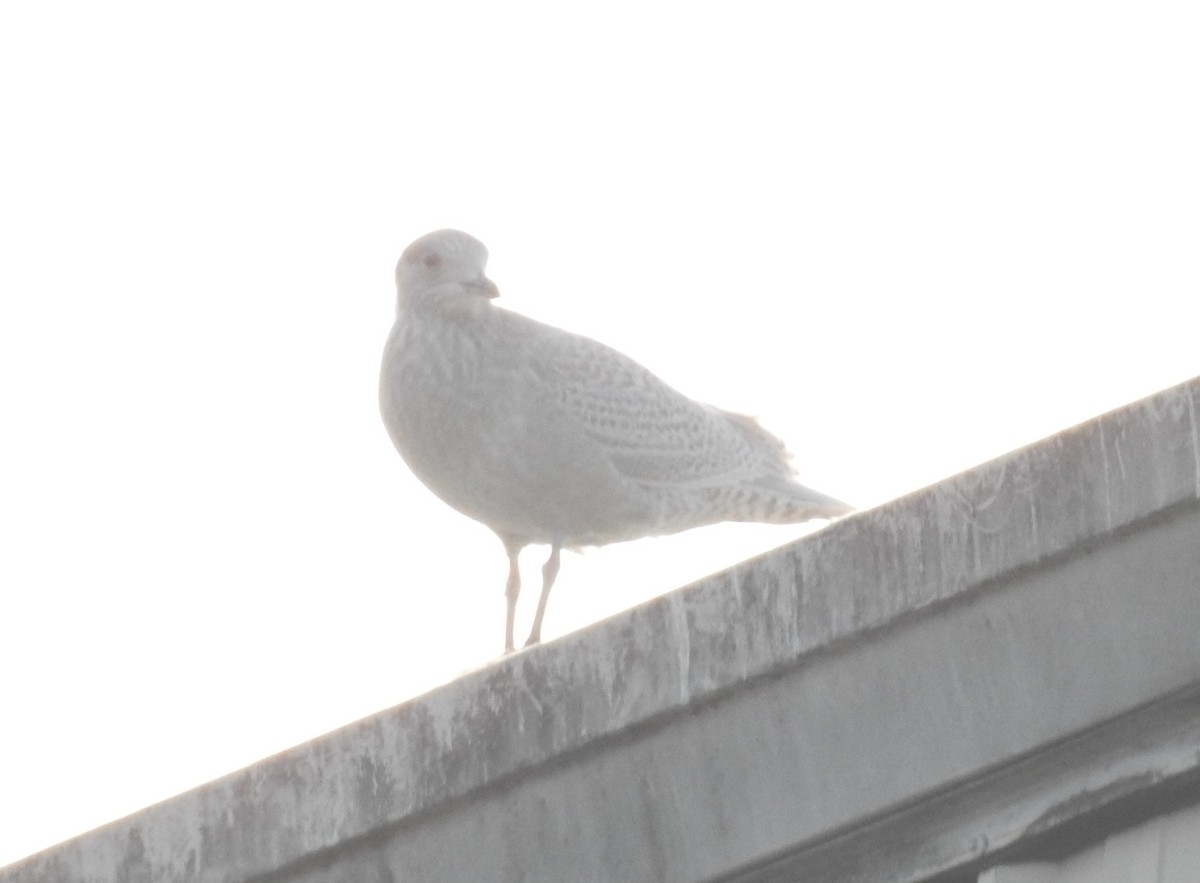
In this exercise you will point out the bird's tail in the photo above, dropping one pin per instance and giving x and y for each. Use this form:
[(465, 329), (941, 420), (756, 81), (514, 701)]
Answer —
[(779, 500), (772, 500), (802, 503), (775, 497)]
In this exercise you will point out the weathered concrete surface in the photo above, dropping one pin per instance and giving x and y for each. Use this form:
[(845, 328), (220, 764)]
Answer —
[(1165, 849), (910, 668)]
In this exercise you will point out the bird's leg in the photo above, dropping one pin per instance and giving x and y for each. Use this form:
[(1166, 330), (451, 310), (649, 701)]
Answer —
[(549, 572), (512, 589)]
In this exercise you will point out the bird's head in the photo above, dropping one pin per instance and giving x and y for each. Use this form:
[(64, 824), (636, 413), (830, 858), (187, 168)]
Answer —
[(443, 264)]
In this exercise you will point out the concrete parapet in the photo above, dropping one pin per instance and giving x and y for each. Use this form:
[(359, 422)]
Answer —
[(999, 664)]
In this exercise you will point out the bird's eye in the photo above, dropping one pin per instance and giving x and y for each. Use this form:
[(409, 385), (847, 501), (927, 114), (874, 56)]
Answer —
[(430, 259)]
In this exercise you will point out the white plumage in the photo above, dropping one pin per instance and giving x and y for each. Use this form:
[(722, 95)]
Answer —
[(550, 437)]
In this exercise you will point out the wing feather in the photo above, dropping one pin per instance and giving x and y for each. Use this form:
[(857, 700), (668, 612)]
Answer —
[(650, 432)]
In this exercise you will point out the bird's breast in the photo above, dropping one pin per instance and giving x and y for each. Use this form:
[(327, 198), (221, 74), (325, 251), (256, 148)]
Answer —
[(482, 431)]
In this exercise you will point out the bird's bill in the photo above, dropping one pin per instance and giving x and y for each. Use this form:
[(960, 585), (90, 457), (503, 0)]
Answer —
[(487, 286)]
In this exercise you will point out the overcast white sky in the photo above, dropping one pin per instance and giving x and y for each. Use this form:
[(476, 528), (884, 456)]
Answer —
[(909, 236)]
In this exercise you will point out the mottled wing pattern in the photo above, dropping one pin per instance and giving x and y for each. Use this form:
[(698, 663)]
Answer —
[(651, 433)]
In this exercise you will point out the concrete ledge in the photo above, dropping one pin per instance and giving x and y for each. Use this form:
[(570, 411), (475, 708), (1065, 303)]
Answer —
[(751, 725)]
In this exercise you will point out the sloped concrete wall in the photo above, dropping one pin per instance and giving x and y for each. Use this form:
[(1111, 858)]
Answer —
[(1165, 849), (969, 675)]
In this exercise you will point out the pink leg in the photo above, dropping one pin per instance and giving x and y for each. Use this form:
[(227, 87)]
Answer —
[(549, 572), (512, 589)]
